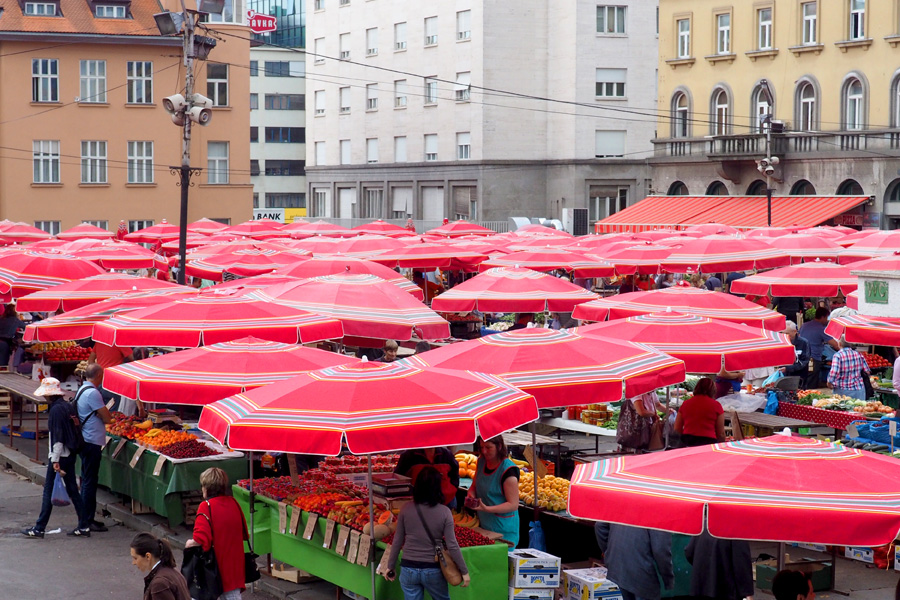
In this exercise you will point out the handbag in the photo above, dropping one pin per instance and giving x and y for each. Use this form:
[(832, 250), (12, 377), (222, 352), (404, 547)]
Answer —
[(448, 568), (201, 569), (867, 384), (633, 430)]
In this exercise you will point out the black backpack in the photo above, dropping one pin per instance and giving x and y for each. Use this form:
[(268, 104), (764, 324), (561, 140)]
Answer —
[(77, 423)]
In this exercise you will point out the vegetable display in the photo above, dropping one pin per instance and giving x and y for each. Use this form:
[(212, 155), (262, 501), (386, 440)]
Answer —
[(875, 361)]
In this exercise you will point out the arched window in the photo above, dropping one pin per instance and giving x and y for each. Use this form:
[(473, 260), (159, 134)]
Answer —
[(720, 110), (895, 101), (717, 188), (854, 102), (803, 188), (681, 111), (757, 188), (893, 191), (850, 187), (760, 108), (807, 118), (677, 189)]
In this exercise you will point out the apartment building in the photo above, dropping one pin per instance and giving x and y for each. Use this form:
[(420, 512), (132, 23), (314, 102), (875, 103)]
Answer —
[(83, 128), (824, 72), (477, 109)]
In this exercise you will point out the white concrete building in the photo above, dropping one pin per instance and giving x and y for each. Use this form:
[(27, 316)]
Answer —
[(478, 109), (277, 133)]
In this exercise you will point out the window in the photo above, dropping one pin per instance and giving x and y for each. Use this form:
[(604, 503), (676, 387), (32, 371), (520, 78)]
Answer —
[(684, 38), (254, 135), (372, 150), (723, 33), (809, 33), (254, 168), (319, 97), (372, 206), (400, 93), (229, 14), (284, 68), (217, 83), (296, 200), (345, 152), (254, 68), (721, 113), (107, 11), (139, 224), (254, 101), (372, 96), (45, 157), (345, 46), (51, 227), (44, 80), (285, 135), (465, 201), (680, 116), (345, 2), (857, 19), (401, 202), (853, 105), (320, 5), (285, 102), (609, 144), (255, 200), (430, 90), (93, 81), (320, 153), (764, 28), (431, 31), (462, 89), (102, 224), (806, 96), (463, 25), (399, 36), (431, 146), (319, 51), (140, 162), (463, 146), (345, 99), (93, 162), (217, 162), (760, 110), (139, 75), (44, 9), (371, 42), (606, 200), (400, 149), (285, 168), (321, 206), (610, 83), (611, 19)]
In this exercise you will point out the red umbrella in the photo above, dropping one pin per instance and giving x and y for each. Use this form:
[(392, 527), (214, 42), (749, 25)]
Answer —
[(288, 227), (552, 259), (703, 303), (259, 229), (527, 242), (320, 266), (22, 273), (853, 300), (245, 262), (254, 282), (206, 226), (883, 243), (888, 262), (561, 367), (460, 228), (203, 375), (22, 233), (78, 324), (832, 233), (360, 245), (779, 488), (213, 319), (370, 308), (812, 279), (851, 238), (804, 248), (372, 407), (535, 229), (429, 256), (712, 229), (193, 240), (718, 254), (82, 292), (512, 289), (380, 227), (863, 329), (641, 260), (86, 231), (114, 254), (150, 235), (231, 247), (705, 345), (321, 228), (768, 232)]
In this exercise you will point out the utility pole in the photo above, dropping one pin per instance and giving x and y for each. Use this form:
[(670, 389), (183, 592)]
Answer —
[(766, 166), (185, 171)]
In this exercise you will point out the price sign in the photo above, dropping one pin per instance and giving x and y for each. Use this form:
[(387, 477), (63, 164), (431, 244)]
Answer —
[(893, 427), (383, 565), (310, 526), (341, 545), (852, 430), (282, 517), (137, 456), (353, 550), (119, 447), (365, 546), (329, 533), (160, 461), (295, 520)]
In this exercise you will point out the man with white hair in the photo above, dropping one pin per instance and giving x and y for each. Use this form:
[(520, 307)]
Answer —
[(800, 368)]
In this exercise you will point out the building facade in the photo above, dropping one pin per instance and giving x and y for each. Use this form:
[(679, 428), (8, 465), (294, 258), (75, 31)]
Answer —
[(831, 69), (83, 126), (477, 109)]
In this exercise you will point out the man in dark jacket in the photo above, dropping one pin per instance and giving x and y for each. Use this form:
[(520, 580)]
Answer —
[(636, 559), (722, 569), (800, 368)]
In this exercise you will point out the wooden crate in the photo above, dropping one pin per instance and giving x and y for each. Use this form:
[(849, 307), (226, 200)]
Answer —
[(190, 502), (137, 508)]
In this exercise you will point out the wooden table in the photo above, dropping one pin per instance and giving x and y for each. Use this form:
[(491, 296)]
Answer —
[(772, 422), (21, 389)]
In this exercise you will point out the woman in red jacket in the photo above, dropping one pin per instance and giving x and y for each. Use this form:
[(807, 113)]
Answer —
[(220, 524)]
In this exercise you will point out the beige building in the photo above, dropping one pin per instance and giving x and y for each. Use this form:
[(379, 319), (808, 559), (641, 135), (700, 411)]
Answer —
[(83, 131), (833, 71)]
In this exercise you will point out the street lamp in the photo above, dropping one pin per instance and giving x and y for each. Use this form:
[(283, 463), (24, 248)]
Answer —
[(190, 107), (766, 166)]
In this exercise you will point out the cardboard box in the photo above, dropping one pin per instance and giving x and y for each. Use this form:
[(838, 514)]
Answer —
[(532, 593), (814, 547), (860, 553), (590, 584), (529, 568), (897, 561), (819, 572)]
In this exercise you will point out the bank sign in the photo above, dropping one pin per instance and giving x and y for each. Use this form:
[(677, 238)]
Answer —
[(282, 215), (261, 23)]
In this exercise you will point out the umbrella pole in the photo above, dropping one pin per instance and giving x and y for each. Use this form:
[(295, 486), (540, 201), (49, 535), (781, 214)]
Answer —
[(252, 510), (371, 523), (534, 469)]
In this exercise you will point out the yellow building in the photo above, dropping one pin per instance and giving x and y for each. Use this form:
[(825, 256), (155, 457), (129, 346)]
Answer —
[(83, 132), (832, 69)]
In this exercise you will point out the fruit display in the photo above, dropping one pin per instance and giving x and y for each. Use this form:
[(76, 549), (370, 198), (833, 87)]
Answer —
[(122, 426), (465, 536), (188, 448), (59, 351), (159, 438), (463, 518), (874, 409), (345, 465), (310, 484), (467, 462), (553, 492), (875, 361)]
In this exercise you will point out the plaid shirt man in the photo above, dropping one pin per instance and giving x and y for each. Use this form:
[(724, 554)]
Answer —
[(846, 367)]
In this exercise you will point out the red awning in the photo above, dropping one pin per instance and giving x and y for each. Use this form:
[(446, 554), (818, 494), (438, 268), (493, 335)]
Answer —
[(738, 211)]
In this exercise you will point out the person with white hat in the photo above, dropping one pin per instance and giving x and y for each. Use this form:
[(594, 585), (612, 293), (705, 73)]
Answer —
[(63, 451)]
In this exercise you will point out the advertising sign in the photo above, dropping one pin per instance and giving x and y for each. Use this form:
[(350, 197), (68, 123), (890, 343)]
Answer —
[(261, 23)]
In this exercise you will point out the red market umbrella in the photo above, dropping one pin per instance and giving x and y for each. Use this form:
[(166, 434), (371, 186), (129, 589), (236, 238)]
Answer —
[(510, 289), (259, 229), (882, 243), (812, 279), (460, 228), (429, 256), (562, 367), (120, 255), (535, 229), (703, 303), (212, 319), (380, 227), (370, 308), (82, 292), (22, 233), (294, 225), (320, 228), (193, 240), (805, 248), (640, 260), (86, 231), (527, 242), (245, 262), (705, 345), (360, 245), (768, 232), (319, 266), (888, 262), (552, 259), (863, 329), (853, 300), (162, 231), (779, 488), (832, 233), (231, 247), (712, 229), (206, 226), (22, 273), (718, 254), (200, 376)]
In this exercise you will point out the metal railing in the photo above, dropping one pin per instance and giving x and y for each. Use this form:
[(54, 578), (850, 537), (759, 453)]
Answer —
[(421, 225)]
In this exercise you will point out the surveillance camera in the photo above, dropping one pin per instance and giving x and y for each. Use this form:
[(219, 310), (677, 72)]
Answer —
[(201, 101), (178, 119), (774, 160), (200, 115), (174, 104), (769, 170)]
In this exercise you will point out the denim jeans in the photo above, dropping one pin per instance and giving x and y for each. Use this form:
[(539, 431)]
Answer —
[(66, 464), (859, 394), (90, 473), (415, 582)]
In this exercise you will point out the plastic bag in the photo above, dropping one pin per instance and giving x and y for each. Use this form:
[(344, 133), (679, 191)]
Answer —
[(60, 496), (773, 378), (771, 403), (536, 538)]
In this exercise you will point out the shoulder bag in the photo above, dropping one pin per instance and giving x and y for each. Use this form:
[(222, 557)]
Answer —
[(200, 568), (448, 568), (633, 430)]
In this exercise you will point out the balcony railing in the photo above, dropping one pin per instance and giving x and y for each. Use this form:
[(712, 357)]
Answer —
[(752, 146), (422, 225)]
